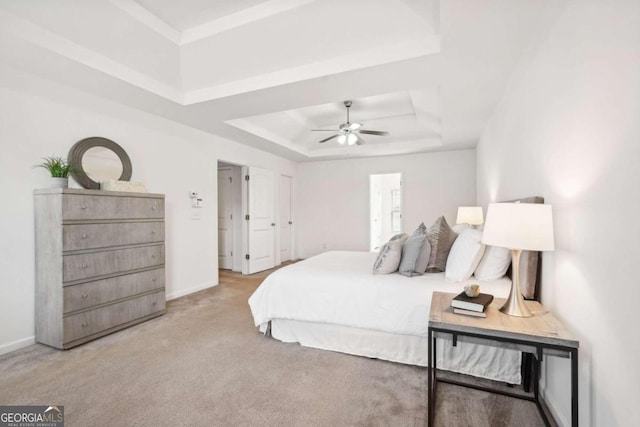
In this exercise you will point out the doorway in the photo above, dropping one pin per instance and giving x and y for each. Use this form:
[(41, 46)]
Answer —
[(229, 217), (385, 207)]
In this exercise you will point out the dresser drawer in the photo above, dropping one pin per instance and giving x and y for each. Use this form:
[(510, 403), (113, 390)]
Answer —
[(88, 294), (86, 207), (90, 322), (90, 236), (84, 266)]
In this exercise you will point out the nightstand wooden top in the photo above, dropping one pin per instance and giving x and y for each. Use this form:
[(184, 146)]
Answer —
[(542, 327)]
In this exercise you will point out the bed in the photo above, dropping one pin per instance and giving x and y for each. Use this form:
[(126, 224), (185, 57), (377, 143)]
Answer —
[(332, 301)]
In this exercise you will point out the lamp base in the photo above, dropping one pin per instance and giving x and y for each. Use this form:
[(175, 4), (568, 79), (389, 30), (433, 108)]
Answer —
[(514, 305)]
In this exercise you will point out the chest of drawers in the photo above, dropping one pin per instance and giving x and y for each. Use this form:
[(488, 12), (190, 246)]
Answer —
[(99, 263)]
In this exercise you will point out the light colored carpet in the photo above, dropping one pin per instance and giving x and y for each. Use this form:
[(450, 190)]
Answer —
[(204, 364)]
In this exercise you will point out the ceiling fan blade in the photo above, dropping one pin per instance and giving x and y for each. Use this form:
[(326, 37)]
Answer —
[(360, 141), (373, 132), (325, 130), (328, 139)]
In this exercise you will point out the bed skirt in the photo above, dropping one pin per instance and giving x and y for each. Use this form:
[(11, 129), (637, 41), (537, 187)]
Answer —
[(471, 359)]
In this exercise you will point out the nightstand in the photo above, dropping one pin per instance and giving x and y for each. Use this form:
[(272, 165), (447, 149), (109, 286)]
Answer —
[(541, 335)]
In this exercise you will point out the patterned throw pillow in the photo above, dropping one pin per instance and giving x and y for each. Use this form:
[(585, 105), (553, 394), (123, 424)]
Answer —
[(415, 254), (425, 251), (441, 237), (390, 255)]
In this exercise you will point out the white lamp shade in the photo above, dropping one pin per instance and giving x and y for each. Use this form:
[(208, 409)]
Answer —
[(526, 226), (471, 215)]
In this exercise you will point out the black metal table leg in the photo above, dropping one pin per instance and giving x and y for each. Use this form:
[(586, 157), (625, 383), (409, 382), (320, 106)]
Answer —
[(574, 388), (430, 405)]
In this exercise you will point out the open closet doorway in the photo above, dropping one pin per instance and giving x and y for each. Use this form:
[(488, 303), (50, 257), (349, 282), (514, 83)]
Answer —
[(229, 217), (385, 201)]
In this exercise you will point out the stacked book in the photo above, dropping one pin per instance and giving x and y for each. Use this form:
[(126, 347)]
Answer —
[(471, 306)]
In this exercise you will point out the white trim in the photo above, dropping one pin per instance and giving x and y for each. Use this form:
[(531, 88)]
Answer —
[(182, 293), (17, 345)]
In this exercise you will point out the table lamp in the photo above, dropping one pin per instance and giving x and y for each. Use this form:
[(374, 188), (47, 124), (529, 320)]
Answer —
[(518, 227), (471, 215)]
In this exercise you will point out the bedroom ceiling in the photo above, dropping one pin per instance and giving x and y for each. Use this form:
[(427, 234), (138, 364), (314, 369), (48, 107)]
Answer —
[(264, 72)]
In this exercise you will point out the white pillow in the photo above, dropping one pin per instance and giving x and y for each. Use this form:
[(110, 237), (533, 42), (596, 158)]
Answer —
[(459, 228), (494, 263), (465, 255), (390, 255)]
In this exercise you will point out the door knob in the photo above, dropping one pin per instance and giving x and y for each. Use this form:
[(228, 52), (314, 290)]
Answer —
[(273, 224), (290, 222)]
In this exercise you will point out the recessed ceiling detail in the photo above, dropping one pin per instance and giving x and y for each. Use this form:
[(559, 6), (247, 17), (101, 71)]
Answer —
[(264, 72), (411, 118)]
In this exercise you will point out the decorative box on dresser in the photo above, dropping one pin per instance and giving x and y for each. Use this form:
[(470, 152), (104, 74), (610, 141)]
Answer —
[(99, 263)]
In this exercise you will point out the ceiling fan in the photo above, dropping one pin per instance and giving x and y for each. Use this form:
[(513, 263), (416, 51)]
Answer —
[(349, 133)]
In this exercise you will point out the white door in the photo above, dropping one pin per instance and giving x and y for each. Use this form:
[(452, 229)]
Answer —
[(285, 218), (261, 223), (225, 219)]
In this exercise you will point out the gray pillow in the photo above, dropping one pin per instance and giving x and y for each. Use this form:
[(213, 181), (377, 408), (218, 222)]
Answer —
[(410, 253), (390, 254), (441, 237), (425, 250)]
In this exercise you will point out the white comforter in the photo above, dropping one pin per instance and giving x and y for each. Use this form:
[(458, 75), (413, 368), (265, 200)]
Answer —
[(339, 288)]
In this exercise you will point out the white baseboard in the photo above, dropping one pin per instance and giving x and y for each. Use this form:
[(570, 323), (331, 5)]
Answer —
[(16, 345), (184, 292)]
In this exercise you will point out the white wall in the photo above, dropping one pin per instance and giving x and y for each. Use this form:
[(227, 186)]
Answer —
[(333, 198), (169, 158), (568, 129)]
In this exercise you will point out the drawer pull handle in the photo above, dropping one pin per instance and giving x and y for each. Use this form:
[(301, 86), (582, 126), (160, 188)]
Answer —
[(85, 266), (85, 324), (84, 236), (154, 303), (153, 231), (154, 280), (84, 296), (153, 256), (153, 208), (83, 207)]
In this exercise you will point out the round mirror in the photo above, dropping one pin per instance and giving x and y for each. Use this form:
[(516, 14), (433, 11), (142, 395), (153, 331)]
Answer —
[(99, 159), (101, 164)]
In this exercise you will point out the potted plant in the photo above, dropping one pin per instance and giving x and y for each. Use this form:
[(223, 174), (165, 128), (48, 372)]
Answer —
[(59, 170)]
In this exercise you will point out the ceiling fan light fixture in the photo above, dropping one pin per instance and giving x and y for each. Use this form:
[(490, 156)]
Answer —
[(342, 139), (351, 139), (355, 126)]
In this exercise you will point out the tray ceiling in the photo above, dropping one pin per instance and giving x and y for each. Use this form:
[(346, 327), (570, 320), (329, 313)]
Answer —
[(263, 73)]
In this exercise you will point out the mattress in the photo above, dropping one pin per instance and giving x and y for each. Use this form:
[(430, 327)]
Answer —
[(333, 301)]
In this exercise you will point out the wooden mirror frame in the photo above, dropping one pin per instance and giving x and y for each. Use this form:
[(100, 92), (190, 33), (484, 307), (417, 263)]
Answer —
[(78, 151)]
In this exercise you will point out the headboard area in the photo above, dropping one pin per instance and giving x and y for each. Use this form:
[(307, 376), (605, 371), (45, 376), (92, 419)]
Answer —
[(530, 262)]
